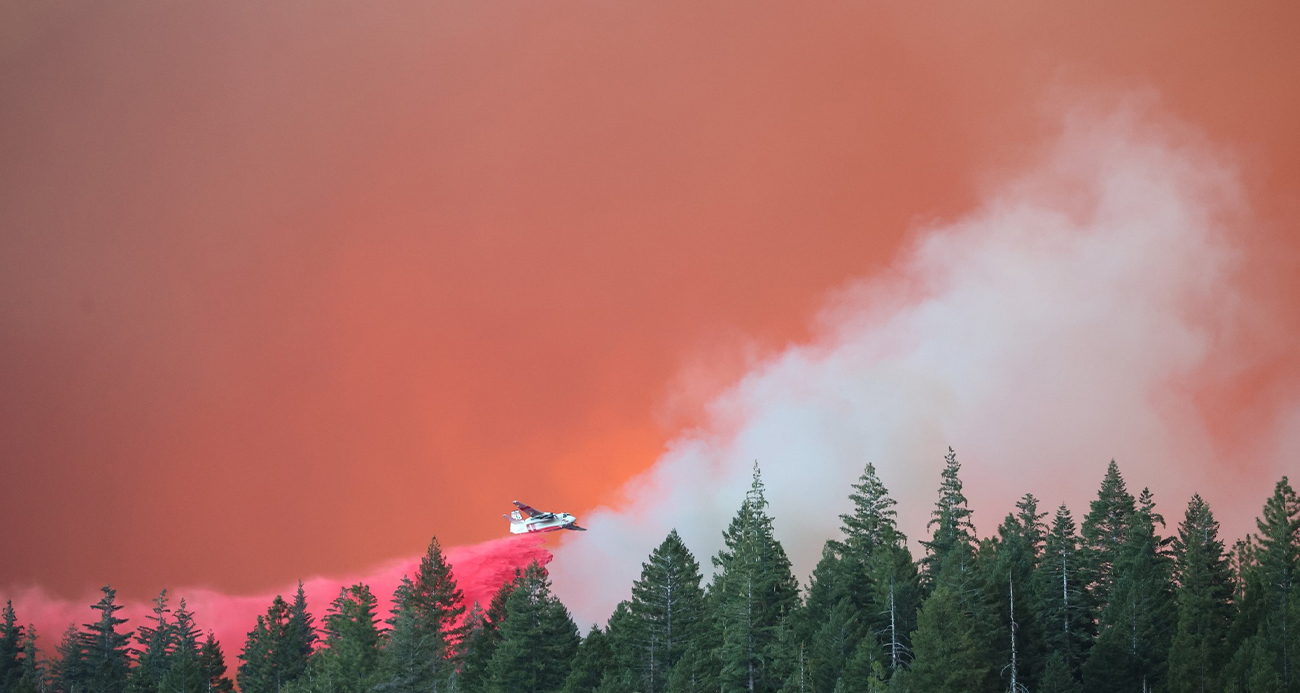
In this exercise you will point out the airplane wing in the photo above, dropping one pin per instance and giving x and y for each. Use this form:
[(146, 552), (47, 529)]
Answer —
[(528, 509), (575, 527)]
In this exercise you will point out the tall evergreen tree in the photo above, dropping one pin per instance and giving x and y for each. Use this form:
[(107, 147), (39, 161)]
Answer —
[(349, 657), (34, 677), (11, 647), (213, 662), (69, 672), (667, 603), (482, 635), (895, 603), (185, 673), (594, 658), (1132, 648), (1204, 599), (1006, 582), (948, 657), (538, 639), (953, 542), (297, 639), (874, 520), (1105, 533), (270, 662), (755, 591), (157, 640), (413, 655), (107, 651), (876, 572), (436, 602), (1267, 660), (1059, 597)]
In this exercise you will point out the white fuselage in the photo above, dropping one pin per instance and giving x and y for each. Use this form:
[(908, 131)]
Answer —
[(549, 522)]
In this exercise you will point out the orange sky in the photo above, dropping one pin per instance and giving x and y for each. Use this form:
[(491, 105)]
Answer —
[(287, 287)]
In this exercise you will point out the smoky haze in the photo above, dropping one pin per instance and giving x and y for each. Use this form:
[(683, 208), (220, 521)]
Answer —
[(1053, 329)]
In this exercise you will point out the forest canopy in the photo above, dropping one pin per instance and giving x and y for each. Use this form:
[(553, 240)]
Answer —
[(1117, 600)]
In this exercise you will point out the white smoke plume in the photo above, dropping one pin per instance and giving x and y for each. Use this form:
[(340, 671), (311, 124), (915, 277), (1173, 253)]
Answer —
[(1051, 330)]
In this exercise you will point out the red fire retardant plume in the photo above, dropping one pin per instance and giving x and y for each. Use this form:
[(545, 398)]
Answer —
[(479, 569)]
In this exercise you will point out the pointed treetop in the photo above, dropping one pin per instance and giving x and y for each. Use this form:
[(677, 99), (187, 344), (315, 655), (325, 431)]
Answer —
[(874, 521), (755, 496)]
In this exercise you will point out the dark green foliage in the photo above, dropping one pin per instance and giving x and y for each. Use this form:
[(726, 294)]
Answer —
[(11, 647), (414, 653), (697, 670), (298, 638), (213, 663), (1058, 677), (538, 639), (185, 671), (278, 648), (1265, 635), (1007, 570), (864, 672), (107, 651), (948, 657), (754, 590), (436, 602), (1135, 626), (667, 605), (33, 677), (349, 657), (1204, 598), (952, 544), (594, 658), (1105, 532), (157, 640), (69, 671), (1060, 601), (481, 636)]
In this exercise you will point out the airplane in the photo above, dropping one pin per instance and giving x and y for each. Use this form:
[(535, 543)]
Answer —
[(538, 521)]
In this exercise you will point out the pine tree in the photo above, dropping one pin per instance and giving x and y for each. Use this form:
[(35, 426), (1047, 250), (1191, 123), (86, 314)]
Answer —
[(895, 603), (594, 658), (213, 663), (953, 542), (349, 657), (948, 658), (1105, 532), (437, 602), (832, 645), (1059, 599), (872, 568), (1204, 599), (1267, 659), (538, 639), (413, 656), (1005, 581), (1131, 652), (667, 604), (482, 636), (153, 657), (33, 678), (755, 591), (185, 672), (873, 522), (69, 673), (297, 640), (107, 652), (11, 646)]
